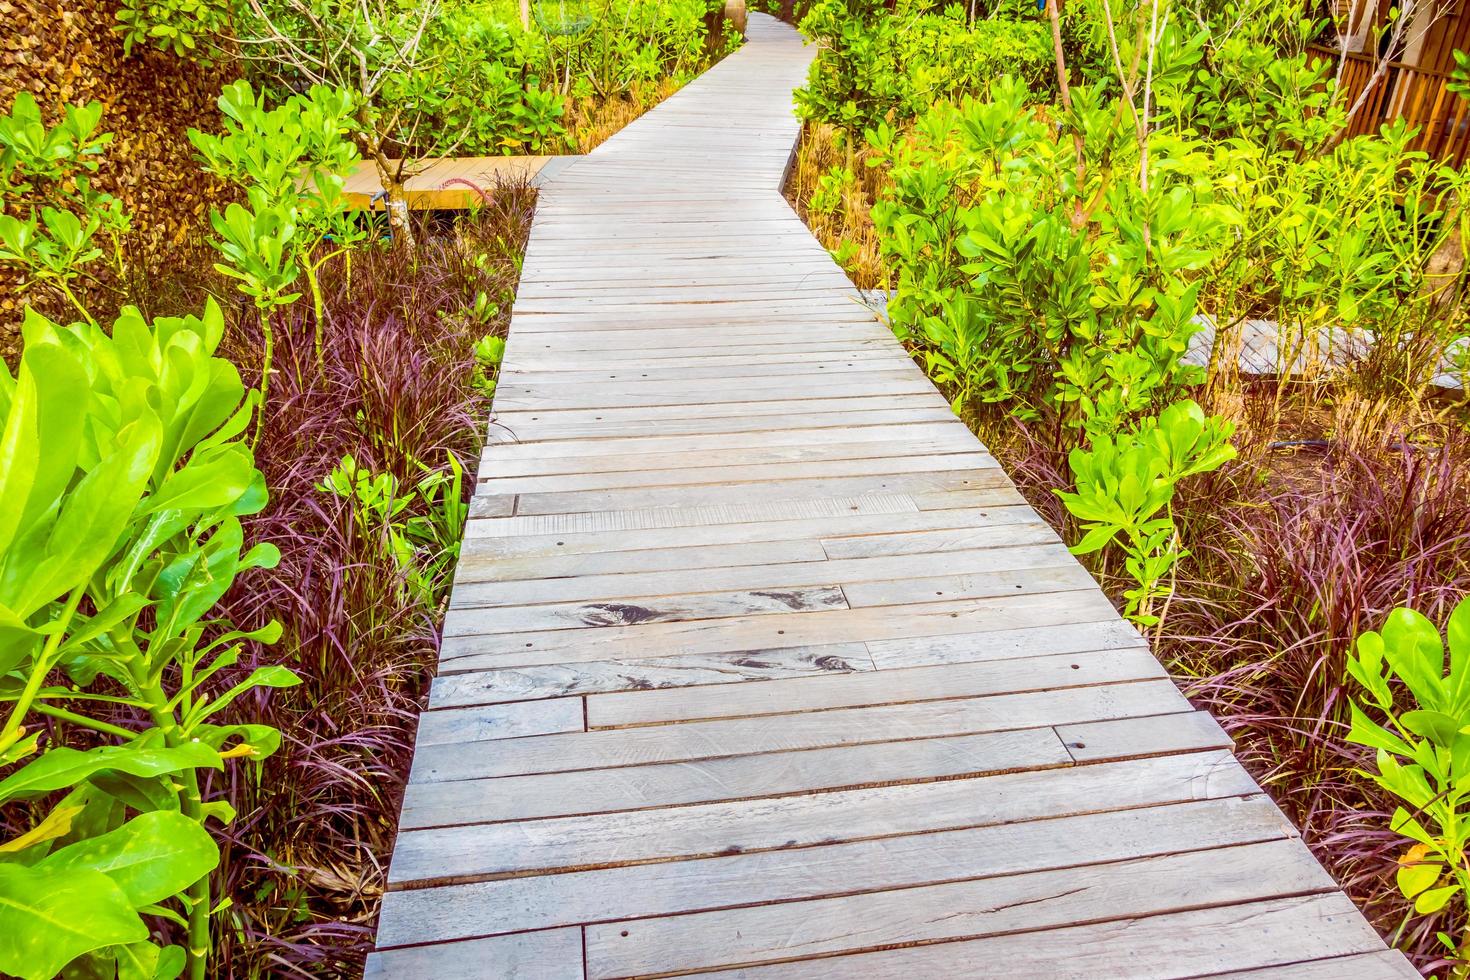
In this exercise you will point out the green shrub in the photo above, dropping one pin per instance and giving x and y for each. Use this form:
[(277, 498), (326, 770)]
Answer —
[(877, 64), (290, 161), (52, 220), (1017, 286), (122, 502), (487, 86), (1421, 753)]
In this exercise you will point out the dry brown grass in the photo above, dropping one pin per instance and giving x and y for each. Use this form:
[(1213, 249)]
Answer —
[(590, 122), (843, 224)]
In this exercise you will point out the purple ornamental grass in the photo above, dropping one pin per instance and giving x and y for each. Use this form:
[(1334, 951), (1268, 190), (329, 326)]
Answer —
[(1283, 581), (306, 859), (1305, 554)]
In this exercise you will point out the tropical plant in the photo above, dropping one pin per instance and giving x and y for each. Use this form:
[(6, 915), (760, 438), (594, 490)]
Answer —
[(881, 60), (1032, 270), (419, 526), (1421, 753), (1125, 485), (122, 494), (53, 218), (489, 352), (187, 28), (291, 162)]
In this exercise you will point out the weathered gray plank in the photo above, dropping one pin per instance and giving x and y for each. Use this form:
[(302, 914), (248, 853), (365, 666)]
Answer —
[(875, 687), (1388, 964), (737, 777), (462, 650), (704, 830), (693, 741), (968, 909), (480, 545), (552, 955), (1036, 568), (1283, 930), (636, 891), (1131, 737), (460, 688), (628, 610), (496, 721), (989, 485), (476, 565)]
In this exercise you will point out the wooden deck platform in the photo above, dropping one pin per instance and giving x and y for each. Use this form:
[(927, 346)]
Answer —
[(757, 664), (451, 183)]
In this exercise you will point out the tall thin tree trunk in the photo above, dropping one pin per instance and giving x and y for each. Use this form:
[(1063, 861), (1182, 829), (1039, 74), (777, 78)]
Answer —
[(526, 14), (1054, 12)]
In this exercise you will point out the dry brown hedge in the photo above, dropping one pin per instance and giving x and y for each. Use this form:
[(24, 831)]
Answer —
[(68, 52)]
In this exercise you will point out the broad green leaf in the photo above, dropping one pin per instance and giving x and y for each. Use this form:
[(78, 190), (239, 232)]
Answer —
[(1434, 899), (62, 767), (151, 857), (48, 919), (1415, 878)]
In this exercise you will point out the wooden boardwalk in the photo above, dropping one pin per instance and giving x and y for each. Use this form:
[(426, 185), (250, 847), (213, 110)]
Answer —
[(758, 665)]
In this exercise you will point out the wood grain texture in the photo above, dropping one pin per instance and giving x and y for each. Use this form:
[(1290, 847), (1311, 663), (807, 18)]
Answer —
[(756, 663)]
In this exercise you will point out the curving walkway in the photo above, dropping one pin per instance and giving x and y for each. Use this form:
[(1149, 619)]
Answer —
[(757, 663)]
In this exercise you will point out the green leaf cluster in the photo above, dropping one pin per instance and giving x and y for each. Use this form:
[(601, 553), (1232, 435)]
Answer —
[(418, 527), (893, 61), (291, 161), (1124, 495), (52, 218), (1414, 711), (122, 483)]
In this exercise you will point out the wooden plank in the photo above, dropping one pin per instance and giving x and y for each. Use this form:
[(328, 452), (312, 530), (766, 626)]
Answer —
[(1388, 964), (960, 910), (766, 577), (504, 466), (694, 741), (475, 565), (541, 429), (496, 721), (988, 485), (657, 673), (776, 774), (743, 777), (996, 532), (942, 460), (876, 687), (552, 955), (632, 610), (1277, 931), (1132, 737), (637, 891), (697, 515), (480, 547), (704, 830), (918, 624)]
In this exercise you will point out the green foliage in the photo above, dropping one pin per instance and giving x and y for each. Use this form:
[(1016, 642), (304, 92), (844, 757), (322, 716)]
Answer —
[(185, 28), (831, 188), (53, 218), (489, 352), (878, 63), (488, 86), (1125, 492), (1423, 753), (418, 527), (122, 491), (1018, 286), (479, 91), (290, 161)]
